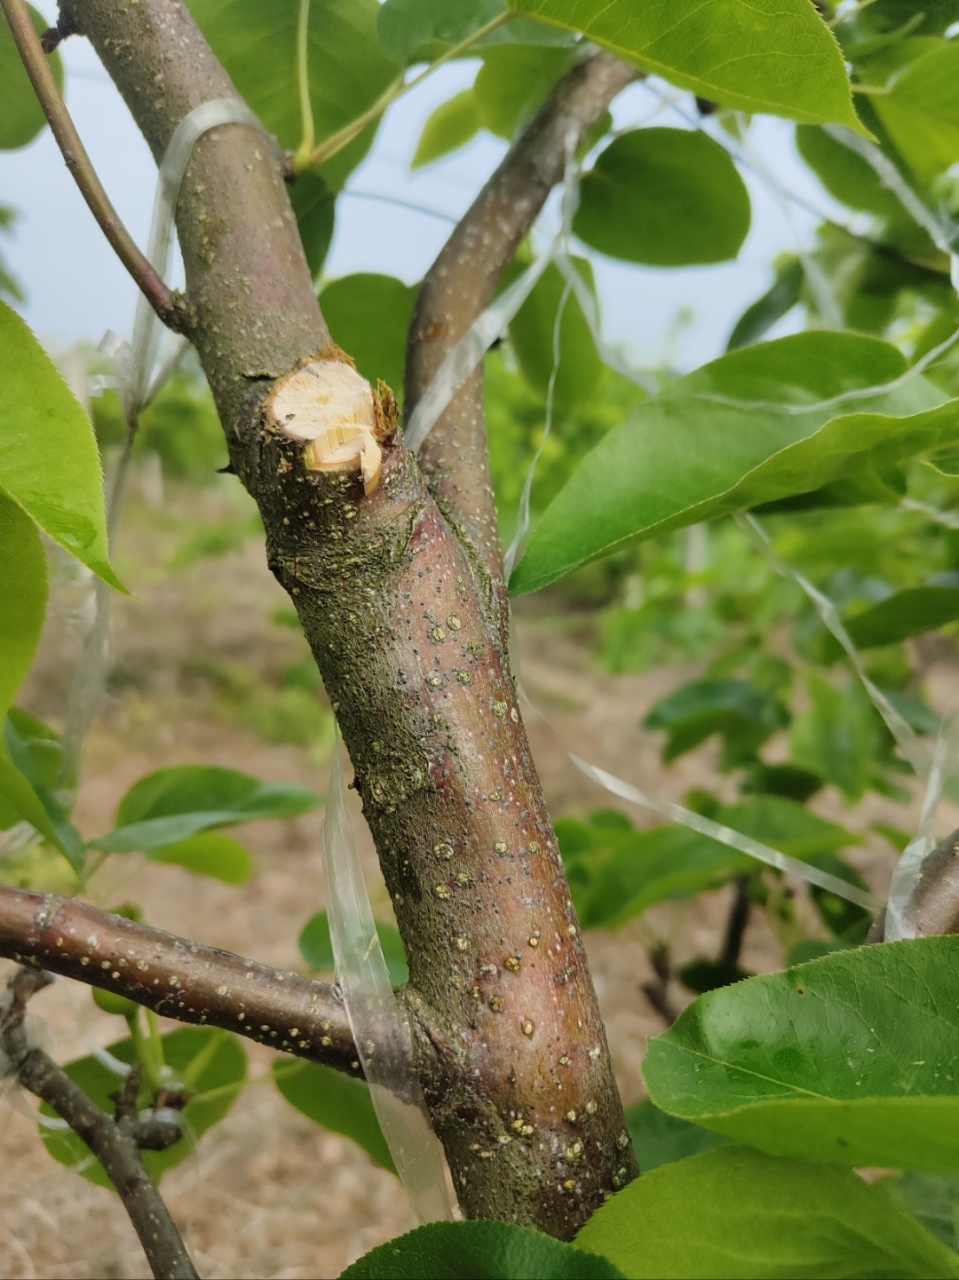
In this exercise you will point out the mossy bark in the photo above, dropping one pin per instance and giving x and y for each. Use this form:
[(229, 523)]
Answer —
[(512, 1050)]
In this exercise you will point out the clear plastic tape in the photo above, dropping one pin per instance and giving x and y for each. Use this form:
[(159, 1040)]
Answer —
[(907, 740), (943, 235), (570, 205), (607, 354), (900, 919), (522, 523), (728, 836), (380, 1029), (948, 519), (466, 355), (135, 360), (706, 827)]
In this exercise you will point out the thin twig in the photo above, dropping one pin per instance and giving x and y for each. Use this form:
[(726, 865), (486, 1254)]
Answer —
[(328, 148), (79, 163), (303, 82), (657, 992), (736, 924), (175, 977), (113, 1142)]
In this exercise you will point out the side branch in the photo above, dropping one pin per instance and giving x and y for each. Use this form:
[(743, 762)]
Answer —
[(79, 163), (113, 1142), (462, 282), (176, 978)]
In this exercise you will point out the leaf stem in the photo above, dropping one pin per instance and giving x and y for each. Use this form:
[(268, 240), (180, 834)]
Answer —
[(80, 165), (303, 84), (337, 141)]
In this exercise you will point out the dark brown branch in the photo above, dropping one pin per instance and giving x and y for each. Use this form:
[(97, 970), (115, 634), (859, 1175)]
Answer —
[(79, 163), (113, 1142), (176, 978), (462, 282)]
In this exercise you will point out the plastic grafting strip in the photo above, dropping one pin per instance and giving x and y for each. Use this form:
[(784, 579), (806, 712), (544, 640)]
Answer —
[(134, 361), (942, 233), (381, 1031), (467, 353), (900, 919), (715, 830), (728, 836), (907, 740)]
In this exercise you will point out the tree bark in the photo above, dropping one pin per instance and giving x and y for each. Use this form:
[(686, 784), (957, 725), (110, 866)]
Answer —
[(512, 1050)]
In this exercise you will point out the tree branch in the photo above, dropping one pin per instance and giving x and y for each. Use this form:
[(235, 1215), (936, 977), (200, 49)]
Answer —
[(176, 978), (504, 1013), (79, 163), (113, 1142), (462, 282)]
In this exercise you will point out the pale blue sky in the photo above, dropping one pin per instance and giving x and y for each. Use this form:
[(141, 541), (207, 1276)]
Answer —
[(76, 289)]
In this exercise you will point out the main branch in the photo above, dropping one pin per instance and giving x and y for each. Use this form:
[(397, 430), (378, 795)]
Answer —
[(512, 1050)]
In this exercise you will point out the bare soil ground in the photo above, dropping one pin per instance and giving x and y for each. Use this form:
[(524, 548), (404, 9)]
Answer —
[(268, 1193)]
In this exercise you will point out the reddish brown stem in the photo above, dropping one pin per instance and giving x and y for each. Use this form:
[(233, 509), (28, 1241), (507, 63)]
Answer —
[(176, 978)]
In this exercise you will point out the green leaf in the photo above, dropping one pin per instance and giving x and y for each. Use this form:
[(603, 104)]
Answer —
[(741, 714), (478, 1251), (921, 111), (836, 736), (775, 56), (909, 612), (49, 463), (24, 784), (314, 205), (738, 1212), (668, 197), (172, 804), (662, 1139), (850, 1059), (369, 316), (23, 597), (21, 116), (931, 18), (40, 743), (651, 866), (335, 1101), (208, 853), (316, 947), (218, 1062), (933, 1199), (685, 455), (845, 174), (17, 795), (447, 128), (407, 28), (513, 81), (531, 332), (781, 297), (347, 68)]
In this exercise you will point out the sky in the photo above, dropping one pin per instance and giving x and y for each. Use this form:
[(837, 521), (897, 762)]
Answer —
[(76, 289)]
